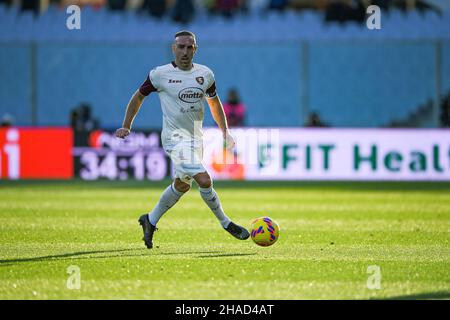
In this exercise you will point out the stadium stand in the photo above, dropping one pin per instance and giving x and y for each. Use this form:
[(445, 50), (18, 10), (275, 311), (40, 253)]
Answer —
[(326, 67)]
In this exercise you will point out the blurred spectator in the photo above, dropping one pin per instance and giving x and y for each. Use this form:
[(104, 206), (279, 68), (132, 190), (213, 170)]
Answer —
[(209, 5), (383, 4), (308, 4), (345, 10), (315, 121), (226, 8), (445, 112), (412, 5), (74, 118), (117, 4), (7, 2), (279, 5), (229, 8), (81, 119), (96, 4), (183, 11), (31, 5), (156, 8), (234, 109), (7, 120)]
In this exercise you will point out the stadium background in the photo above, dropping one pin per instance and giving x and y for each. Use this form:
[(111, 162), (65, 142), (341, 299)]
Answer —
[(383, 96), (289, 62)]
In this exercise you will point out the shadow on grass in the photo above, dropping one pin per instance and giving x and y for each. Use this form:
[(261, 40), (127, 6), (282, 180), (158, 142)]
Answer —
[(118, 253), (226, 255), (63, 256), (181, 253), (422, 296)]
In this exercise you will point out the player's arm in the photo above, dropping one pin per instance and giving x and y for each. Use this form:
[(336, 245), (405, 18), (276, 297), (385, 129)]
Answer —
[(132, 109), (216, 107)]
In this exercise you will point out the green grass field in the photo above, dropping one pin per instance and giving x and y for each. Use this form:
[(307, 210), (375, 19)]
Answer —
[(330, 234)]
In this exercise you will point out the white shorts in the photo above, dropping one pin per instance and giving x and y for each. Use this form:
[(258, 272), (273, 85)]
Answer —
[(186, 161)]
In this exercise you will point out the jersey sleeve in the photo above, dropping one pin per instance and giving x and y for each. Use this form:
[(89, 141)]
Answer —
[(150, 84), (211, 91)]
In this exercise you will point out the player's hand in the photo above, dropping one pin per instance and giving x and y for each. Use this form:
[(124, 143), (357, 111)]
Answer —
[(228, 141), (122, 133)]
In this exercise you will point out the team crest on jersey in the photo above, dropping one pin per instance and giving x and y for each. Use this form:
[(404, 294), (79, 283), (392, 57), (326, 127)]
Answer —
[(200, 80)]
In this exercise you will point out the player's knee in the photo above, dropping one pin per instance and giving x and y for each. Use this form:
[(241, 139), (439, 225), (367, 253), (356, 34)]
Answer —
[(181, 186), (204, 182)]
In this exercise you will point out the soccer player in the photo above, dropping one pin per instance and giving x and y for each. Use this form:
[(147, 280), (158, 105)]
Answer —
[(182, 87)]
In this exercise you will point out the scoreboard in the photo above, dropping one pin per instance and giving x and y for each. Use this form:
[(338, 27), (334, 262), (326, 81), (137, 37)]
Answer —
[(102, 155)]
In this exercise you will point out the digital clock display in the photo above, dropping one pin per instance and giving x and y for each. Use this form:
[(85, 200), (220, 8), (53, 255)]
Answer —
[(140, 156)]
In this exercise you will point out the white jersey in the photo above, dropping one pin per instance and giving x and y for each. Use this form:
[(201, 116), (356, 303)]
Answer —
[(182, 95)]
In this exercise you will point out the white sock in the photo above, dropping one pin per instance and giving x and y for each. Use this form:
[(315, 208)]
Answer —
[(169, 197), (211, 198)]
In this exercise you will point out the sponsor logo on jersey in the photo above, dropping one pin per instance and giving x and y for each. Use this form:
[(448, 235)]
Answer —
[(174, 81), (191, 95), (200, 80)]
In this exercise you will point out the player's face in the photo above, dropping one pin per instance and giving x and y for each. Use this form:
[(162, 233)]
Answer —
[(183, 49)]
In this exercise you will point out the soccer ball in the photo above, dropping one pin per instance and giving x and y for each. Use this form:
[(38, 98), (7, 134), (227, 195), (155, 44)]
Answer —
[(264, 231)]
